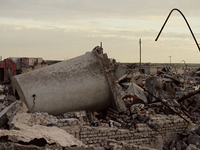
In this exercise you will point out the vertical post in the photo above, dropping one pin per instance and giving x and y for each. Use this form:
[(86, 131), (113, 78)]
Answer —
[(140, 57), (170, 60), (101, 44), (184, 74)]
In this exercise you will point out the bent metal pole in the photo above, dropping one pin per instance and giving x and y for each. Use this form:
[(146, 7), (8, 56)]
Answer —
[(186, 23)]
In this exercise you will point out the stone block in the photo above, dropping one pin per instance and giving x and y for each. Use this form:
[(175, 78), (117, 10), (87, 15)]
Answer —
[(83, 136), (90, 135), (100, 134), (83, 133), (60, 124), (65, 124), (194, 139), (90, 142)]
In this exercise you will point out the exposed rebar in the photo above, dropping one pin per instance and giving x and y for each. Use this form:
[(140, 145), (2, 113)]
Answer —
[(186, 23), (165, 104)]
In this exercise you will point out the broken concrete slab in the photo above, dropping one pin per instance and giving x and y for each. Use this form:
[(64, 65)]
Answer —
[(118, 145), (1, 89), (2, 106), (159, 88), (194, 139), (76, 114), (51, 135), (2, 97), (197, 131), (34, 119), (81, 83), (3, 115), (138, 80), (188, 95), (122, 78), (119, 71), (17, 106), (137, 91), (154, 85), (39, 146), (192, 147), (11, 98)]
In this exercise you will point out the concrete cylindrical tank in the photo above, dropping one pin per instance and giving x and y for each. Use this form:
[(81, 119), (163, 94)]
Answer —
[(75, 84)]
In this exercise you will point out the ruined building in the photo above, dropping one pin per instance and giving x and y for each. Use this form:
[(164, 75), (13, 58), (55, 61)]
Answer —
[(14, 66), (89, 102)]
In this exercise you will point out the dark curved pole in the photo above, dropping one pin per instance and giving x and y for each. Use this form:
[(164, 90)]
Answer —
[(186, 23)]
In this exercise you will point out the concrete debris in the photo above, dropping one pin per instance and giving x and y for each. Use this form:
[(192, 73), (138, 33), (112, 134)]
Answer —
[(29, 119), (31, 146), (10, 111), (192, 147), (1, 89), (137, 91), (194, 139), (49, 135), (93, 103), (119, 71), (160, 88), (113, 144), (138, 80)]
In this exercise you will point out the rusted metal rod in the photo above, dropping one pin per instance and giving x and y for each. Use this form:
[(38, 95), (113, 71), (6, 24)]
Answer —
[(166, 105), (188, 96), (186, 23), (129, 108)]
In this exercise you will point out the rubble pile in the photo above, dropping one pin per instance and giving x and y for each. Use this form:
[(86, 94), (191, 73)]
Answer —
[(146, 112)]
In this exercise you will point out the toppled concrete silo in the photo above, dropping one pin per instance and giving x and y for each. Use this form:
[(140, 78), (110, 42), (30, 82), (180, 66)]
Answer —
[(82, 83)]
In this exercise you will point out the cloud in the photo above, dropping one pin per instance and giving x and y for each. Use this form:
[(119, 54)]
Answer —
[(53, 29), (67, 30), (60, 10), (17, 28)]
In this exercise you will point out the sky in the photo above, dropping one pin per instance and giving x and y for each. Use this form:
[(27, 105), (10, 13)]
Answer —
[(64, 29)]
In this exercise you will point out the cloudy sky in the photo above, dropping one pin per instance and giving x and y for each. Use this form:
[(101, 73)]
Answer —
[(63, 29)]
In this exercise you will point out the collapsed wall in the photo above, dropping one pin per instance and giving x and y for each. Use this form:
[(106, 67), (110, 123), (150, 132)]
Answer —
[(160, 130), (87, 83)]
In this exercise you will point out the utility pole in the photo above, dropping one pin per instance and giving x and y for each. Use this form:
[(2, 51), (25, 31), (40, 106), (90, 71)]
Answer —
[(140, 57), (170, 60), (184, 73)]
